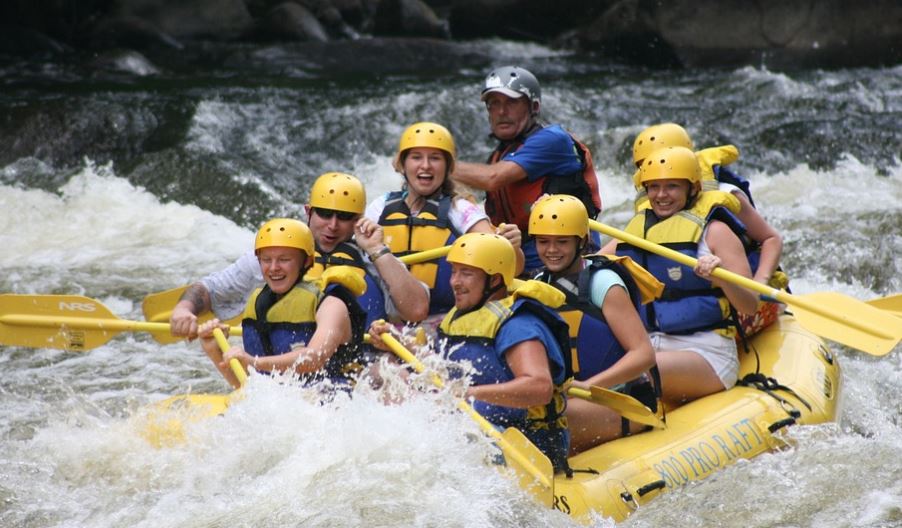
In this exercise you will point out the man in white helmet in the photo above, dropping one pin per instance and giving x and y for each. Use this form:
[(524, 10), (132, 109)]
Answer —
[(531, 159)]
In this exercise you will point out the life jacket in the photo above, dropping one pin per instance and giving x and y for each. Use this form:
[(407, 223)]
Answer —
[(348, 254), (513, 202), (593, 346), (429, 229), (274, 325), (689, 303), (470, 337)]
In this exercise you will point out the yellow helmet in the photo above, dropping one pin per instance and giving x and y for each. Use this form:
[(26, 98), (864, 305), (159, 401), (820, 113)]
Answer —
[(657, 137), (560, 215), (426, 134), (490, 253), (670, 163), (285, 232), (338, 191)]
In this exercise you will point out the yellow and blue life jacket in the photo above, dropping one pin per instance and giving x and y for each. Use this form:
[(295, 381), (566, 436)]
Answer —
[(689, 303), (429, 229), (349, 254), (593, 346), (274, 325)]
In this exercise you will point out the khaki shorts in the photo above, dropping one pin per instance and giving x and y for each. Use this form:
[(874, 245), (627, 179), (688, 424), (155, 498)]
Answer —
[(717, 350)]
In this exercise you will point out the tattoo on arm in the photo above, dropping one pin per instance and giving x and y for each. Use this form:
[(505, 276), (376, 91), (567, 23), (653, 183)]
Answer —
[(197, 295)]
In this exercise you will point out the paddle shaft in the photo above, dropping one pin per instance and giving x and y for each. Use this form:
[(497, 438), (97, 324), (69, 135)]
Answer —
[(234, 364), (735, 279), (484, 424), (87, 323)]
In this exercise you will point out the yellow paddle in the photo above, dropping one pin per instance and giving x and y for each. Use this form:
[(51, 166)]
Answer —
[(157, 307), (890, 303), (830, 315), (68, 322), (534, 469), (624, 404)]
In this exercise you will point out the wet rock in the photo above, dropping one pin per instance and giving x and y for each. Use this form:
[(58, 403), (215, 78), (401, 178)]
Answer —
[(216, 19), (291, 21), (25, 41), (131, 32), (350, 57), (767, 32), (409, 18), (521, 19), (125, 61)]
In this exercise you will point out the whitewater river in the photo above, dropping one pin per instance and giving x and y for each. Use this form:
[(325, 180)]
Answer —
[(114, 186)]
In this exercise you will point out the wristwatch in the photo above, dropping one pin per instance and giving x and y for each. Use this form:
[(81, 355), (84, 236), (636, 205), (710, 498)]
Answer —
[(384, 251)]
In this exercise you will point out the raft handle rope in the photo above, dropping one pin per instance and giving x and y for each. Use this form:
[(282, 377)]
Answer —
[(768, 386)]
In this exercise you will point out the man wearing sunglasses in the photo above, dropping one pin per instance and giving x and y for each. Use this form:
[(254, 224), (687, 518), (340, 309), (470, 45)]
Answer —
[(337, 202)]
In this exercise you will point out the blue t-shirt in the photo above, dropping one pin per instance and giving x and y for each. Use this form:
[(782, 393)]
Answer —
[(525, 326), (549, 151)]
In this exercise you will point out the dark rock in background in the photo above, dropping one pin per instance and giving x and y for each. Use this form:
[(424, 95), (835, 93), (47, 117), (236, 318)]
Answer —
[(773, 33)]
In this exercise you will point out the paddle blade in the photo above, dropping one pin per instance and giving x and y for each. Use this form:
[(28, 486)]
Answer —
[(890, 303), (30, 321), (167, 420), (527, 461), (853, 323), (627, 406)]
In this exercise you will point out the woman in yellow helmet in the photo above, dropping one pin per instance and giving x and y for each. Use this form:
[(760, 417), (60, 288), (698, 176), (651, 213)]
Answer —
[(692, 325), (608, 344), (312, 328), (428, 212)]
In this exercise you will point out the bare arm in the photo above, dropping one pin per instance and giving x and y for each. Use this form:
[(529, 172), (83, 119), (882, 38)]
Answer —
[(407, 293), (728, 253), (760, 231), (488, 177), (532, 384), (195, 301), (624, 321)]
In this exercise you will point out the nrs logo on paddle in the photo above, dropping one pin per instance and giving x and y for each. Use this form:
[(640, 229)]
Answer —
[(78, 307)]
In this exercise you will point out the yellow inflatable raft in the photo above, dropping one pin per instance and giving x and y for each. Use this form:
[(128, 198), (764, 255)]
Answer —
[(799, 382)]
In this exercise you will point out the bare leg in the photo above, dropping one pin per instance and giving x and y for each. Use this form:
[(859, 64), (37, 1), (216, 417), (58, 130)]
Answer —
[(685, 376), (590, 424)]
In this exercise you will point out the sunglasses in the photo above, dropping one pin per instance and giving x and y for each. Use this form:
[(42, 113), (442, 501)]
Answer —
[(327, 214)]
